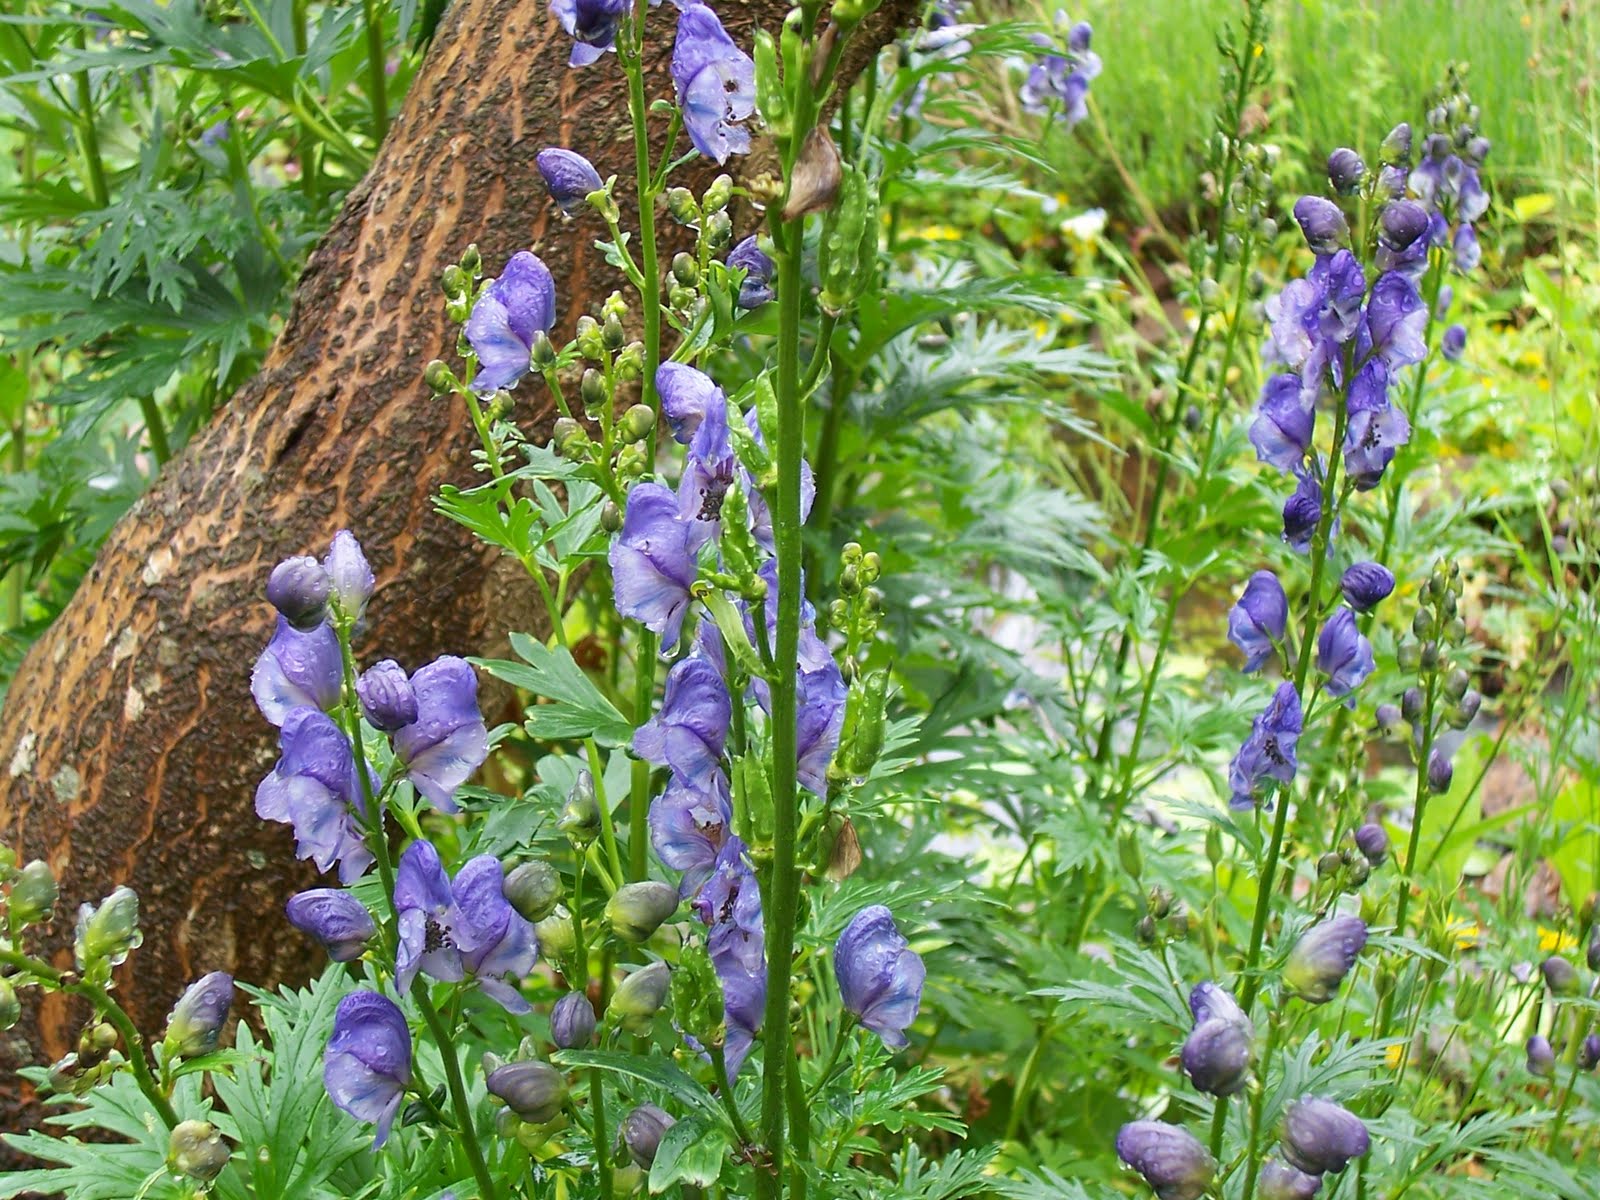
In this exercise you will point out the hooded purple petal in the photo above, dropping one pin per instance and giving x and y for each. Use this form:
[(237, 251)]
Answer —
[(335, 918), (653, 562), (297, 670), (368, 1061), (314, 789), (880, 976), (690, 730), (715, 82), (1257, 620), (511, 310), (448, 741)]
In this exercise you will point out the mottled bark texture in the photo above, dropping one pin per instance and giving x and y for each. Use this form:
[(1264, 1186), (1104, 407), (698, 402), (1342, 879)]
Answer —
[(129, 747)]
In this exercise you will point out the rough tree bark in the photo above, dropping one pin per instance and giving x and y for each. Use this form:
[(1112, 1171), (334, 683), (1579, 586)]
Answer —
[(129, 748)]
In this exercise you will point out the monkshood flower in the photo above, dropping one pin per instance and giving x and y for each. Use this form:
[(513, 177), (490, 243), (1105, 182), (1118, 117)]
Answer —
[(368, 1061), (686, 395), (730, 906), (350, 578), (1269, 751), (509, 314), (569, 176), (1323, 224), (1541, 1056), (1320, 1136), (716, 83), (820, 697), (1346, 170), (314, 788), (814, 652), (388, 700), (1170, 1158), (1279, 1181), (880, 975), (1344, 654), (1396, 319), (642, 1131), (195, 1022), (448, 741), (1285, 419), (298, 589), (653, 562), (1257, 621), (1366, 584), (1453, 342), (1376, 428), (1323, 957), (1059, 83), (1302, 512), (1373, 843), (297, 670), (449, 930), (1217, 1054), (1440, 771), (534, 1090), (1312, 319), (592, 24), (1449, 184), (756, 287), (1589, 1052), (572, 1021), (1560, 976), (689, 731), (336, 919), (707, 475), (688, 829), (1465, 250)]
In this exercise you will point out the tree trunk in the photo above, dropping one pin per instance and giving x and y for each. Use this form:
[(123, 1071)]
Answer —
[(129, 746)]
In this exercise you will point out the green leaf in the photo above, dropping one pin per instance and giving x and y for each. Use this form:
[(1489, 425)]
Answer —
[(692, 1151), (576, 709), (654, 1071)]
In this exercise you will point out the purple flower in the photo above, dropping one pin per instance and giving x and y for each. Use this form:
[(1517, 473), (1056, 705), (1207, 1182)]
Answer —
[(707, 475), (1269, 751), (1301, 513), (690, 730), (1212, 1002), (297, 670), (509, 313), (819, 718), (1440, 771), (367, 1065), (1375, 430), (1170, 1158), (1257, 620), (1323, 224), (1320, 1136), (1285, 418), (688, 828), (1346, 170), (1373, 842), (1059, 83), (1312, 318), (756, 288), (1279, 1181), (1401, 223), (880, 976), (1466, 251), (1396, 319), (195, 1022), (314, 789), (448, 741), (387, 697), (1541, 1056), (350, 579), (592, 23), (1216, 1056), (1343, 653), (642, 1131), (730, 906), (569, 176), (336, 919), (1449, 185), (1589, 1052), (1453, 342), (686, 396), (716, 84), (653, 562), (1560, 976), (298, 589), (1323, 957), (572, 1021), (1366, 584), (449, 930)]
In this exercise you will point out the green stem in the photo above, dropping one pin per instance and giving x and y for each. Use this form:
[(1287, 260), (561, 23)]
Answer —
[(457, 1087), (725, 1094), (89, 134), (377, 87), (845, 1026), (1258, 1102), (597, 1096)]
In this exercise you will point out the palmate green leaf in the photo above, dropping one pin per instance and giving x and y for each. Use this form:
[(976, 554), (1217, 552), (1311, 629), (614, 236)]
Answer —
[(1136, 992), (914, 1176), (576, 709), (656, 1072), (1045, 1185), (692, 1152)]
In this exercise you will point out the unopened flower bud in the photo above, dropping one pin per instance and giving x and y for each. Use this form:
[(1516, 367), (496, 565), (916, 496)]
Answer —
[(1456, 684), (298, 589), (387, 697), (195, 1022), (610, 517), (1592, 954), (569, 438), (535, 1091), (195, 1150), (586, 335), (1346, 170), (1408, 655), (685, 270), (1217, 1055), (1541, 1056), (336, 919), (642, 1131), (639, 997), (1400, 224), (719, 193), (637, 423), (1560, 976), (439, 377), (593, 391), (33, 894), (1388, 718), (572, 1021), (96, 1043), (1411, 704), (557, 938), (637, 910), (471, 259), (569, 176), (1329, 864), (612, 333), (1279, 1181), (680, 203), (1320, 1136), (1322, 223), (1440, 772), (109, 932), (1170, 1158), (718, 232), (1373, 843), (533, 888), (1396, 148), (1323, 957), (1589, 1052)]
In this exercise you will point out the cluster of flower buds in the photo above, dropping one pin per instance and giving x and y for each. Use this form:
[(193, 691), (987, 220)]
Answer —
[(1166, 919)]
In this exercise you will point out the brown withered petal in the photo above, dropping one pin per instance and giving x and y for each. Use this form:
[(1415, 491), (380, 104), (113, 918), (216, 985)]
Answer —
[(817, 173)]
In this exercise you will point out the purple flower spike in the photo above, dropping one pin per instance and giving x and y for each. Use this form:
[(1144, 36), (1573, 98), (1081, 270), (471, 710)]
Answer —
[(593, 25), (1285, 418), (689, 732), (510, 313), (297, 670), (686, 396), (1453, 343), (1322, 223), (1320, 1136), (314, 789), (1170, 1158), (569, 176), (387, 697), (448, 741), (1366, 584), (756, 289), (730, 906), (1269, 751), (368, 1061), (350, 578), (880, 976), (1376, 428), (653, 562), (716, 84), (1343, 653), (1396, 318), (1279, 1181), (688, 829), (336, 919), (1323, 957), (298, 589), (1257, 621)]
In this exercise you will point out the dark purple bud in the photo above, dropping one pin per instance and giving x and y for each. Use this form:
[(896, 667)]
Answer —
[(350, 579), (1171, 1160), (1477, 149), (1211, 1002), (1453, 342), (387, 697), (1589, 1052), (1079, 36), (1257, 621), (1322, 223), (1442, 303), (1301, 513), (1216, 1056), (1366, 584), (1560, 976), (1373, 842), (1402, 223), (1320, 1136), (1396, 146), (1389, 718), (1392, 182), (1279, 1181), (1440, 772), (298, 588), (1346, 170), (569, 176), (572, 1021), (336, 919), (1541, 1056), (1464, 710), (534, 1090), (642, 1131), (1592, 954), (1411, 702), (1323, 957), (195, 1022)]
